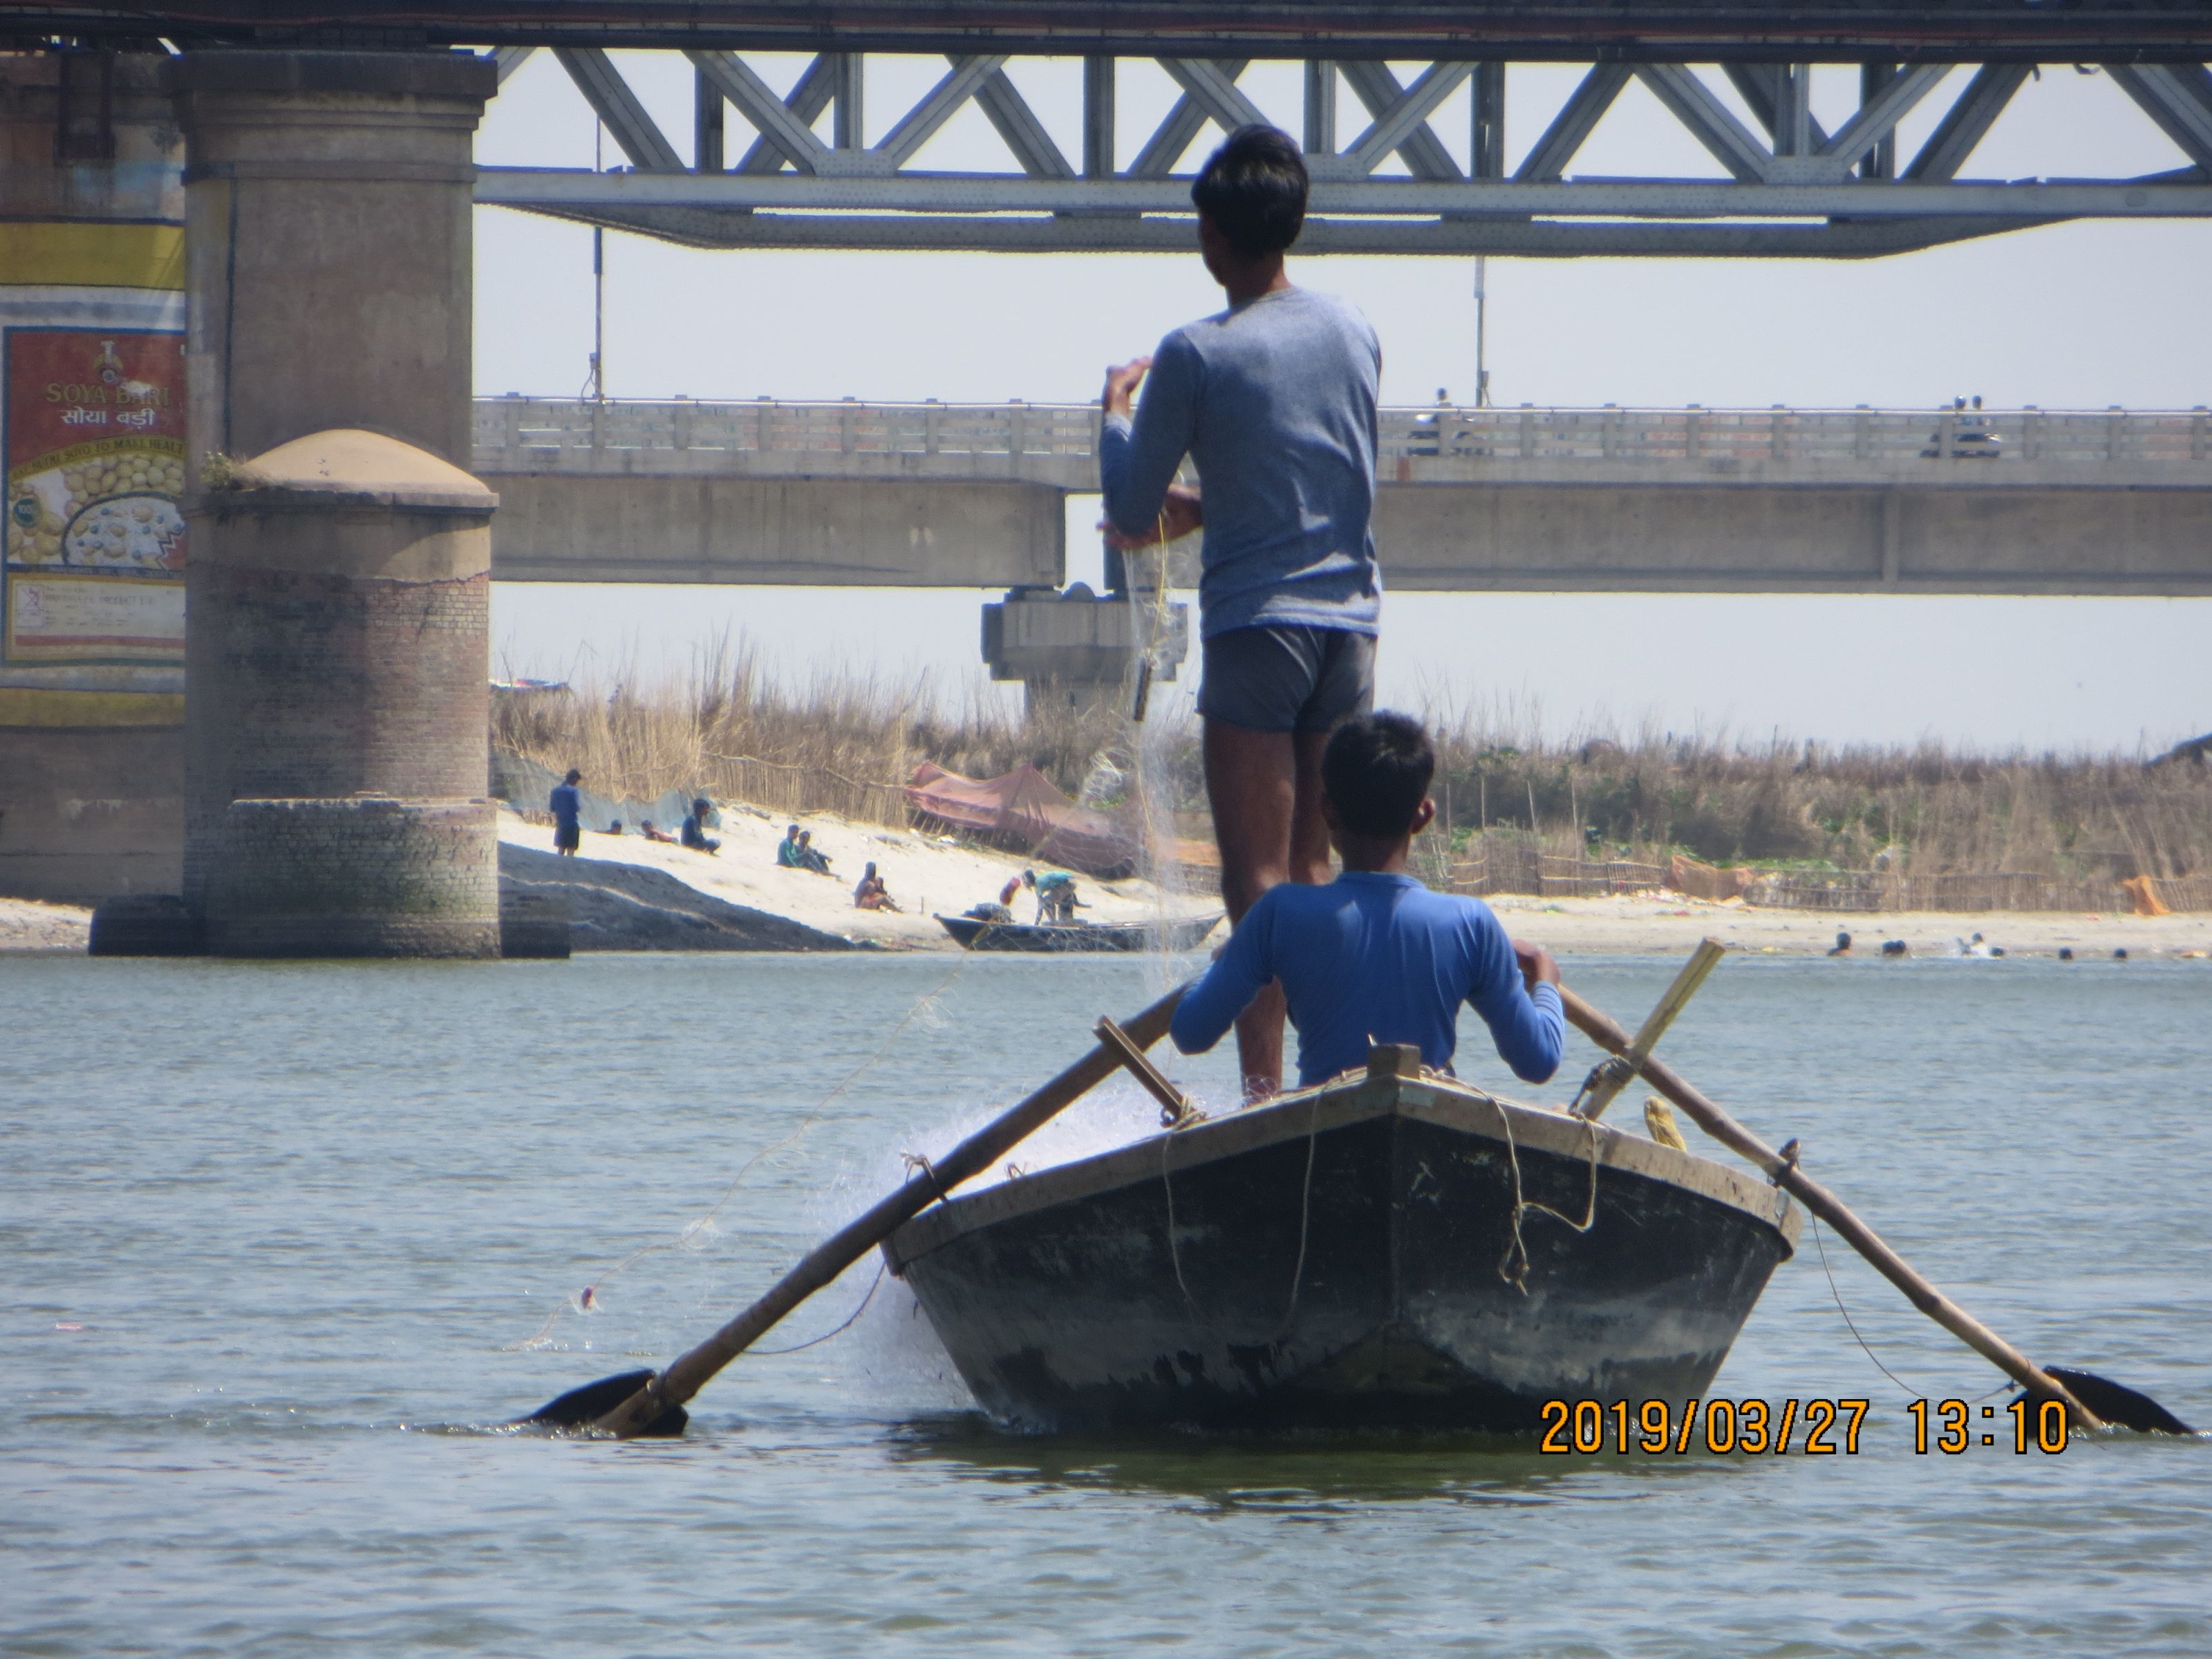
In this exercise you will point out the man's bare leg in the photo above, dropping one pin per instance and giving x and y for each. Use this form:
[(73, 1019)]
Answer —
[(1265, 787)]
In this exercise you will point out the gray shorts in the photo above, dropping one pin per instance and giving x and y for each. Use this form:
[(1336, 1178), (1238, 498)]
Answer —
[(1287, 677)]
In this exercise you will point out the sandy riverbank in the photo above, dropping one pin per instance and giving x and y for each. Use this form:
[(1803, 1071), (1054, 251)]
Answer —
[(952, 877), (28, 925), (923, 875), (1650, 924)]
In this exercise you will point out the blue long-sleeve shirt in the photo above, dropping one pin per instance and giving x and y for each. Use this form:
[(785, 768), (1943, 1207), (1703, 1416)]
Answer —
[(1275, 400), (1377, 958)]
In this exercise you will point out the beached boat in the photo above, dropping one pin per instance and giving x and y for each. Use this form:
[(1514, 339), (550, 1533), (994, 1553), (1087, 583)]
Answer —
[(1348, 1257), (1183, 934)]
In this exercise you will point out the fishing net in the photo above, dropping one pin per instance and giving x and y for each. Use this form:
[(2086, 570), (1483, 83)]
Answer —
[(700, 1274)]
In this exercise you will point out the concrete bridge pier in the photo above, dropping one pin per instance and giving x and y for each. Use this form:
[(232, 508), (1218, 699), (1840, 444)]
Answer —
[(1077, 649), (336, 702)]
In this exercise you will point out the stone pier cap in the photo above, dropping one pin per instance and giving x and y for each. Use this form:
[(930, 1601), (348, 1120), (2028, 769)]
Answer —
[(345, 503), (226, 71), (345, 466)]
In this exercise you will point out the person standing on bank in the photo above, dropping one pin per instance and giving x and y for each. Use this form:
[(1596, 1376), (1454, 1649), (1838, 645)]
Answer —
[(1273, 400), (568, 808)]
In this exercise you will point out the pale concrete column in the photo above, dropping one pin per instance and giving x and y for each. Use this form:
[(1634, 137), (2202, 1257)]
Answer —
[(335, 698), (327, 217)]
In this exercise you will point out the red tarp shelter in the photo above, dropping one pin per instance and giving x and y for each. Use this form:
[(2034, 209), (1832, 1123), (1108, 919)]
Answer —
[(1024, 812)]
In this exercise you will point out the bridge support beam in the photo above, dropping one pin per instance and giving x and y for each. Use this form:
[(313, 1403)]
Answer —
[(1972, 534), (335, 714)]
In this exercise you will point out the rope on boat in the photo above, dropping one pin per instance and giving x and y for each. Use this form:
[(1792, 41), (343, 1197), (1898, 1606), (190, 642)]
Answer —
[(1513, 1265), (916, 1161), (1167, 1186), (1910, 1393), (851, 1320), (1305, 1217)]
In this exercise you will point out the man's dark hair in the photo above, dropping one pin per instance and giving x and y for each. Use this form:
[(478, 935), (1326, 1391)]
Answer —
[(1376, 771), (574, 776), (1254, 189)]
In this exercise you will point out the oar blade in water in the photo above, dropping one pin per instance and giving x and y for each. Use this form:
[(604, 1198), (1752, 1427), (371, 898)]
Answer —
[(2119, 1404), (580, 1407)]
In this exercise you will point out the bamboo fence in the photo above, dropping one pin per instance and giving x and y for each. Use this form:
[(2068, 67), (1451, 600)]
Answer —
[(1510, 863)]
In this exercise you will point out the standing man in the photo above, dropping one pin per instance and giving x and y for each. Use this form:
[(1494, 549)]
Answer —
[(1273, 400), (566, 807), (1055, 897)]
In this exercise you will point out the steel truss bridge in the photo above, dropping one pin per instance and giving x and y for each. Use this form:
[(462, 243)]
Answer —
[(1736, 75)]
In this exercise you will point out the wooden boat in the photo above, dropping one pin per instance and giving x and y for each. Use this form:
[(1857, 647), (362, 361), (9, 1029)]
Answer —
[(1348, 1257), (1183, 934)]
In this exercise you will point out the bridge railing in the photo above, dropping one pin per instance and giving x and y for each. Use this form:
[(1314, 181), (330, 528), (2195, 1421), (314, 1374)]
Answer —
[(525, 428), (1797, 435), (766, 427)]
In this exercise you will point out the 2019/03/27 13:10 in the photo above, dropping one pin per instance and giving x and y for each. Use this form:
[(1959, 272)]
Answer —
[(1954, 1434)]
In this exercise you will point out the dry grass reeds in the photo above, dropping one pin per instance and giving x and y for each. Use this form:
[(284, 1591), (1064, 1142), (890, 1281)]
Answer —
[(1926, 810), (844, 741)]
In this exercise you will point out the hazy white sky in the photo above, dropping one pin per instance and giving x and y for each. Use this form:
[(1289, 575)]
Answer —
[(2079, 316)]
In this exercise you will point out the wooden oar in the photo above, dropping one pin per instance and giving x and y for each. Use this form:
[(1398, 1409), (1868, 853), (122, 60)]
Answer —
[(650, 1404), (1617, 1072), (2114, 1402)]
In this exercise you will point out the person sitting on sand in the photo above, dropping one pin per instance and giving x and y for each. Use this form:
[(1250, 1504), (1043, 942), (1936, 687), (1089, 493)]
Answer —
[(1843, 947), (694, 832), (1895, 947), (1055, 897), (786, 850), (566, 807), (614, 827), (1375, 957), (871, 894), (645, 828), (809, 858)]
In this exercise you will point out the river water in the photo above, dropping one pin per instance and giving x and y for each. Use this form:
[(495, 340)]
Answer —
[(275, 1236)]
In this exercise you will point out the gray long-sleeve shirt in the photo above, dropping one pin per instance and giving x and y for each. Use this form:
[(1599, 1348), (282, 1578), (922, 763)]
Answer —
[(1275, 401)]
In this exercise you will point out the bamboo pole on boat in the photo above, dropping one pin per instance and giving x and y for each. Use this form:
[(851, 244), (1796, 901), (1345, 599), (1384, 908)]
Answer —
[(671, 1387), (1698, 968), (1782, 1169)]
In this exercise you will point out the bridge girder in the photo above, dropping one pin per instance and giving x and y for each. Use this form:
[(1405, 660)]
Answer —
[(1734, 75), (1527, 31), (1787, 188)]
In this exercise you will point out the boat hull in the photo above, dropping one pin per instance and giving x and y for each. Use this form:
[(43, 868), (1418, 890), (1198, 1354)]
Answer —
[(1182, 934), (1347, 1258)]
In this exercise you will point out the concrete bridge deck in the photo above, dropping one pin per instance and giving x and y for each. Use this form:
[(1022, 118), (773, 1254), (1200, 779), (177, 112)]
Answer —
[(1776, 500)]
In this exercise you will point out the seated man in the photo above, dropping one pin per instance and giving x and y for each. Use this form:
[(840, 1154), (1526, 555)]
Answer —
[(810, 856), (1375, 957), (786, 850), (694, 832), (647, 830)]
